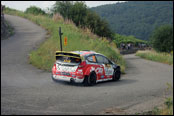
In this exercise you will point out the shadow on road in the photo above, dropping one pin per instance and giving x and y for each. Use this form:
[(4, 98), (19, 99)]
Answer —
[(100, 84)]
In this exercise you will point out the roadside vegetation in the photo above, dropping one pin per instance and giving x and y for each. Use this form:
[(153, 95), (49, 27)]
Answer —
[(162, 57), (162, 38), (120, 39), (35, 11), (6, 29), (166, 108), (162, 42), (78, 39), (83, 17)]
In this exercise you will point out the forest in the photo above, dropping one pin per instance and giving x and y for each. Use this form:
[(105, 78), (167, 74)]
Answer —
[(137, 18)]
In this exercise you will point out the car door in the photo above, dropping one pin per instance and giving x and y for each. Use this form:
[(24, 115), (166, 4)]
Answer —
[(106, 65), (100, 68)]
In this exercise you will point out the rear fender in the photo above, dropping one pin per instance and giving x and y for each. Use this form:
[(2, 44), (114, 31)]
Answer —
[(89, 70)]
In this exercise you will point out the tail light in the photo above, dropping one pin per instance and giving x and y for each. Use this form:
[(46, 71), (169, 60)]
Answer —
[(54, 69), (54, 66), (82, 64)]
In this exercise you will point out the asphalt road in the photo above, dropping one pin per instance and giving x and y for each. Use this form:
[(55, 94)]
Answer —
[(28, 90)]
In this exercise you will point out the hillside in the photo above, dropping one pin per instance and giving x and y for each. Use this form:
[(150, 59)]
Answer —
[(137, 18), (78, 39)]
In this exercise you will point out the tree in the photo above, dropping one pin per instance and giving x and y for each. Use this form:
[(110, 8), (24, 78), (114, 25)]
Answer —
[(83, 17), (35, 10), (79, 13), (63, 7), (139, 17), (162, 38)]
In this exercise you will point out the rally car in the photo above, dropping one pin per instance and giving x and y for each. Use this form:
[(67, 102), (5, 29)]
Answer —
[(87, 67)]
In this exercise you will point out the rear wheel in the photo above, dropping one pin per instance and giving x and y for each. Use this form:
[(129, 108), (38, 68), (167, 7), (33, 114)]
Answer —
[(116, 75), (90, 80)]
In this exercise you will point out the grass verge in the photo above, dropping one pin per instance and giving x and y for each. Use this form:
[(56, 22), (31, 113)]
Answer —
[(156, 56), (78, 39), (8, 30)]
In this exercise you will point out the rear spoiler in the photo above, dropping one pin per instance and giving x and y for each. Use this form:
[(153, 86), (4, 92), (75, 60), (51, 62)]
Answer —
[(68, 54)]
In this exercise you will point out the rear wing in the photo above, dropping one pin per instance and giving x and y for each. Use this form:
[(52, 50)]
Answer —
[(67, 54)]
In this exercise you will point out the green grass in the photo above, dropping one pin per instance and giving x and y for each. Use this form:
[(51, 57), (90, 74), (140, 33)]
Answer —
[(156, 56), (158, 111), (78, 39)]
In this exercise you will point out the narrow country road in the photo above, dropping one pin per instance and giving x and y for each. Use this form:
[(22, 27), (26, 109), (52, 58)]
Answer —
[(28, 90)]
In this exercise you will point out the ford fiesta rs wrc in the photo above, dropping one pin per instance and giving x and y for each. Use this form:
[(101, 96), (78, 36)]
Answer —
[(87, 67)]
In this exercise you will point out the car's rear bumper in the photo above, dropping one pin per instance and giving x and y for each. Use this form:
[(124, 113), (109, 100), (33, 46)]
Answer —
[(67, 79)]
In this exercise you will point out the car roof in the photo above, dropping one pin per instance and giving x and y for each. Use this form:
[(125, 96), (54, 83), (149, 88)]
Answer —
[(85, 52)]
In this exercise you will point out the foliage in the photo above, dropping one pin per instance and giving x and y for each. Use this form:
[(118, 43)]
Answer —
[(83, 17), (35, 10), (63, 8), (78, 13), (162, 38), (78, 39), (137, 18), (118, 39), (156, 56)]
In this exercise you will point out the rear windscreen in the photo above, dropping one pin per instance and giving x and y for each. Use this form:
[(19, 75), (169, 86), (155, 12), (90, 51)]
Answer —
[(67, 59)]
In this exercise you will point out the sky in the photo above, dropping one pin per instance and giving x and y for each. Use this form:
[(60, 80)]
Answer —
[(22, 5)]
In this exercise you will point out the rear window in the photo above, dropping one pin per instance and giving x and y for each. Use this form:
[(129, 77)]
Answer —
[(67, 59)]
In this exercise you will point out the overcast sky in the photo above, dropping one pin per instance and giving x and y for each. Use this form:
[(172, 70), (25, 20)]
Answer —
[(22, 5)]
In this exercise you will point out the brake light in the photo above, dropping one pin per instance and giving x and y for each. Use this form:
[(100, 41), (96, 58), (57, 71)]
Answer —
[(82, 64), (54, 66)]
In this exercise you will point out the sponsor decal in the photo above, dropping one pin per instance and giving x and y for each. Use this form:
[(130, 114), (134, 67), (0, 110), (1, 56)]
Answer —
[(102, 76), (108, 65), (108, 69), (67, 61), (80, 72), (65, 73), (66, 68), (99, 70), (92, 69)]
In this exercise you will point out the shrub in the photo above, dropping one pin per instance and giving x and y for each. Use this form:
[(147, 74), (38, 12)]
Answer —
[(162, 38), (35, 10)]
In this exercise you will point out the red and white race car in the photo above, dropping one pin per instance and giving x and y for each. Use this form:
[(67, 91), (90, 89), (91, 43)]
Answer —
[(86, 67)]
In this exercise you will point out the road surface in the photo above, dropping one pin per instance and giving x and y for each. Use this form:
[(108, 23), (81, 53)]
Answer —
[(28, 90)]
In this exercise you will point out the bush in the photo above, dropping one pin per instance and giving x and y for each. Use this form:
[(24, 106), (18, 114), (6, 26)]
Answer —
[(156, 56), (83, 17), (35, 10), (162, 38)]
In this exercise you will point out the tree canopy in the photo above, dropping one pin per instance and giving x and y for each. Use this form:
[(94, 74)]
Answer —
[(162, 38), (137, 18), (35, 10), (83, 17)]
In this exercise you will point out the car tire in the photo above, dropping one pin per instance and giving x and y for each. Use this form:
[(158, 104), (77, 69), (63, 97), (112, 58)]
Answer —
[(116, 75), (90, 80)]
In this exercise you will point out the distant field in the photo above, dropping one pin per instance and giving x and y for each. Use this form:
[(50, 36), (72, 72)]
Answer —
[(155, 56), (78, 39)]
